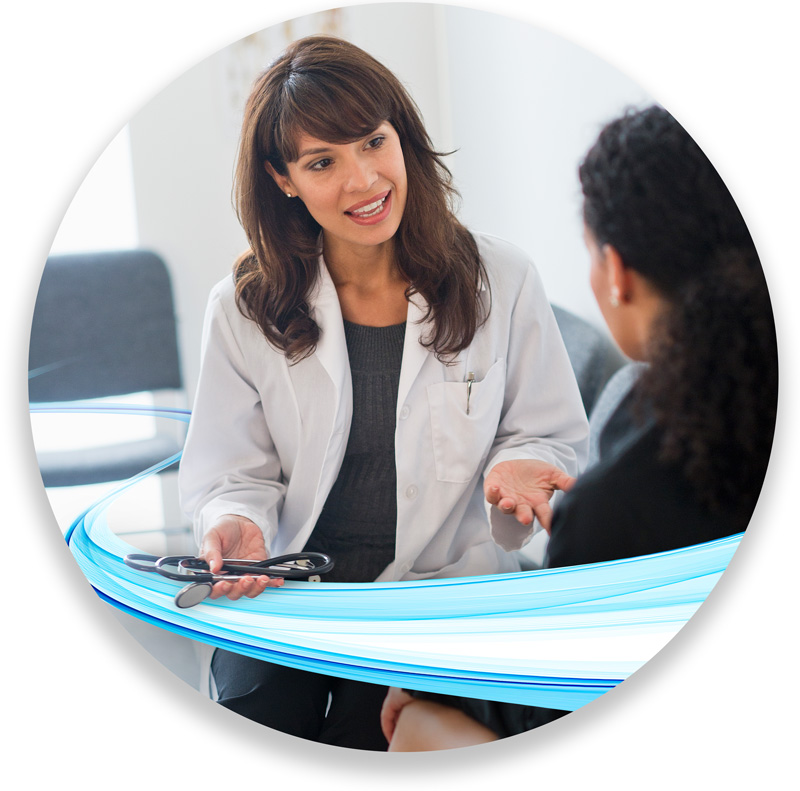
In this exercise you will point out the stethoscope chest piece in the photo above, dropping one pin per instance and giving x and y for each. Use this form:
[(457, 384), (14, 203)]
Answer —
[(192, 594)]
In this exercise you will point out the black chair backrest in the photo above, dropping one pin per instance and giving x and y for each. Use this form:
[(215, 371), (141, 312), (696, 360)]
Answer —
[(594, 356), (612, 419), (103, 325)]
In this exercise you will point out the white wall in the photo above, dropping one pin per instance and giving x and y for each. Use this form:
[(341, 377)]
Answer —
[(526, 106), (183, 152)]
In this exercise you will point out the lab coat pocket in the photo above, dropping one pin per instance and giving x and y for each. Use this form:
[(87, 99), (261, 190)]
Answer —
[(461, 441)]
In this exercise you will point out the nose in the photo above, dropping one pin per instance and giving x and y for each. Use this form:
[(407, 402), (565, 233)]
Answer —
[(361, 174)]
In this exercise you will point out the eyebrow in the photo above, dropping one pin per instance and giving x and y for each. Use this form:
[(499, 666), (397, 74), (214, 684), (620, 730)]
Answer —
[(326, 149), (311, 151)]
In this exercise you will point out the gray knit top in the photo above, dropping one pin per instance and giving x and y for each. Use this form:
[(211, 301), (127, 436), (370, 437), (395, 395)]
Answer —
[(357, 525)]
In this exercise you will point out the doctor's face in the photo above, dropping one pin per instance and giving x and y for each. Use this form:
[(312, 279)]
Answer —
[(356, 191)]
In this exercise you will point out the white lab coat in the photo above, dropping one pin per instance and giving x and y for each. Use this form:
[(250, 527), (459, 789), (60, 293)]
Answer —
[(267, 439)]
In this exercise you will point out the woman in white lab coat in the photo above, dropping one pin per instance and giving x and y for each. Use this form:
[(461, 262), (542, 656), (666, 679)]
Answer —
[(377, 382)]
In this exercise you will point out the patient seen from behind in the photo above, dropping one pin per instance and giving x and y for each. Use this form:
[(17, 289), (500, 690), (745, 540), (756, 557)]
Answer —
[(679, 283)]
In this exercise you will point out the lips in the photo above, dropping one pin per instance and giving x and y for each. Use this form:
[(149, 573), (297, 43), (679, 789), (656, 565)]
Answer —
[(369, 208)]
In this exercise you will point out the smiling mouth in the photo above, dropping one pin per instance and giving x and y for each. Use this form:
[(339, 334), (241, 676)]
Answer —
[(370, 209)]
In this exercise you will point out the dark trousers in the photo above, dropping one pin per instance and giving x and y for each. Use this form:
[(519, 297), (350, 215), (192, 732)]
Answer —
[(296, 701)]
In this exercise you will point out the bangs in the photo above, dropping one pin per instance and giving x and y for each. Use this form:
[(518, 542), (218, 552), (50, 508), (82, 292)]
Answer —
[(335, 110)]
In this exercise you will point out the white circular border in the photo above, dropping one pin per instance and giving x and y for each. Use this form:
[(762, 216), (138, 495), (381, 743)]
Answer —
[(86, 704)]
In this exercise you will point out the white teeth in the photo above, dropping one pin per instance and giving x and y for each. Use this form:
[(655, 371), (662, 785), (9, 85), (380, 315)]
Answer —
[(370, 210)]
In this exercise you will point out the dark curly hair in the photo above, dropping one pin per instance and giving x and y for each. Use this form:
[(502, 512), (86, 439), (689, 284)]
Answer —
[(332, 90), (652, 194)]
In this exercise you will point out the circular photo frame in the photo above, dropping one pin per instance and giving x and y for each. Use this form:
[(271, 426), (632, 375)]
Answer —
[(544, 637)]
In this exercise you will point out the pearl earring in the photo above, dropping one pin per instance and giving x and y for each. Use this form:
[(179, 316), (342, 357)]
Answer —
[(288, 194)]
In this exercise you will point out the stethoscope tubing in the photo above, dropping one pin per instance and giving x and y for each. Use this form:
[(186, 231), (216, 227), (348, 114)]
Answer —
[(188, 568), (194, 570)]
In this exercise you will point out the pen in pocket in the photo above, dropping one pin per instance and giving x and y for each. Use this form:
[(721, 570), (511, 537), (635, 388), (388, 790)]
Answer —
[(470, 380)]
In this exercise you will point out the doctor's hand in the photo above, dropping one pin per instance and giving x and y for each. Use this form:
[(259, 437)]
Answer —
[(523, 488), (236, 537)]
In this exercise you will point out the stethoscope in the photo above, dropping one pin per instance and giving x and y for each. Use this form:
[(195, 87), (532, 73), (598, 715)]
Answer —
[(298, 566)]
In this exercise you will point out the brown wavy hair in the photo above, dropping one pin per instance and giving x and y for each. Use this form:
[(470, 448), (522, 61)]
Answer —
[(332, 90), (712, 383)]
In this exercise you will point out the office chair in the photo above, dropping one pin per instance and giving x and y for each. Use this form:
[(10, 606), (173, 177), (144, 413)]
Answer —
[(104, 325), (614, 425), (593, 355)]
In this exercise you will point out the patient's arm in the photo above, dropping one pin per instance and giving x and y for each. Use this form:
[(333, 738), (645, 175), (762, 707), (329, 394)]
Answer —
[(423, 725)]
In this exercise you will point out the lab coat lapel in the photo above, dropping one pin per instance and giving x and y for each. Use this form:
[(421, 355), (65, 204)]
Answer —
[(414, 353), (331, 353), (331, 348)]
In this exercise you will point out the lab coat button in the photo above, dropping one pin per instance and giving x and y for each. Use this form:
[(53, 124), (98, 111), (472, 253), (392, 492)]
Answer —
[(411, 492), (404, 412)]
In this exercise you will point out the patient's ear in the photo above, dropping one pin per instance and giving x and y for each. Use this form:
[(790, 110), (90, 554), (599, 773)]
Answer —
[(621, 279)]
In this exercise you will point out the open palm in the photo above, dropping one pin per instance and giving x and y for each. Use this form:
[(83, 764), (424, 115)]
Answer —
[(523, 488)]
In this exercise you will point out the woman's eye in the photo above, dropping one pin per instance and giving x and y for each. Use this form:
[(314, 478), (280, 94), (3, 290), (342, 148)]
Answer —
[(321, 164), (376, 142)]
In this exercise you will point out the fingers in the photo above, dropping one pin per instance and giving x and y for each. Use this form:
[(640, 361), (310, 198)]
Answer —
[(248, 587), (561, 480), (211, 551), (492, 494), (507, 505), (522, 489), (544, 513), (220, 589), (521, 511), (388, 720), (504, 503), (394, 702), (524, 514)]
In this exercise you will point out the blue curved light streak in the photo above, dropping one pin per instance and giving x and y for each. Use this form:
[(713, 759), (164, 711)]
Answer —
[(557, 638)]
